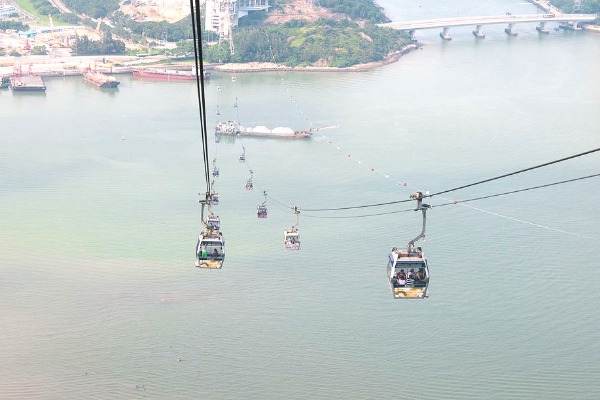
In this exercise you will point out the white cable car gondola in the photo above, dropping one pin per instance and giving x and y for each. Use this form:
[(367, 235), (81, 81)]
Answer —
[(291, 237), (210, 249), (213, 222), (243, 155), (407, 270), (261, 210), (213, 199), (215, 171), (249, 185)]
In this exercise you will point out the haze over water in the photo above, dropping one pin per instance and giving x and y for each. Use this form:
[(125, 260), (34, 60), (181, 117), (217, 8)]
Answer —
[(97, 235)]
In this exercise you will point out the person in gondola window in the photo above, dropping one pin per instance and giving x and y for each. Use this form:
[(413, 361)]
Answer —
[(215, 254), (401, 277)]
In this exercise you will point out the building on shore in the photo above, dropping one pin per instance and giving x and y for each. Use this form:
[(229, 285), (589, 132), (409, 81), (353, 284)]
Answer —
[(223, 15), (7, 11)]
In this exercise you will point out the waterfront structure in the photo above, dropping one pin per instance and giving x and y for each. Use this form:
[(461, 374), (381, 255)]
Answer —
[(7, 11), (223, 15)]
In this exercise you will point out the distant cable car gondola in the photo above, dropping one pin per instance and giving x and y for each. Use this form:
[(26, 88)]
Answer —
[(291, 237), (243, 155), (249, 185), (213, 198), (215, 171), (408, 271), (213, 222), (261, 210), (210, 249)]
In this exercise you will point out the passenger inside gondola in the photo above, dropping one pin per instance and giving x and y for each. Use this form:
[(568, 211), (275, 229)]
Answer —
[(210, 250), (420, 278), (401, 278)]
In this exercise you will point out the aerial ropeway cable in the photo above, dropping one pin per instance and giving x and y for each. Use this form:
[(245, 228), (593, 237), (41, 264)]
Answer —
[(460, 187), (210, 248), (516, 172), (453, 201)]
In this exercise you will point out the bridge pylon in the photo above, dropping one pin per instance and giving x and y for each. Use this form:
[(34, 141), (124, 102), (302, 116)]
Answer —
[(510, 30), (541, 28), (478, 32), (445, 33)]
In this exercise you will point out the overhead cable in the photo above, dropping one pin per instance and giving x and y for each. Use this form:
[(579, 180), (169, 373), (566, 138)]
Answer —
[(199, 64), (457, 188), (517, 191), (515, 173)]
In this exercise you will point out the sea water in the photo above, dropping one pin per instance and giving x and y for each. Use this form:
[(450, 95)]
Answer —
[(99, 222)]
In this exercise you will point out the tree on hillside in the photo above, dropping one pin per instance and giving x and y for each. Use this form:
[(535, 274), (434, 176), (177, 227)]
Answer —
[(93, 8)]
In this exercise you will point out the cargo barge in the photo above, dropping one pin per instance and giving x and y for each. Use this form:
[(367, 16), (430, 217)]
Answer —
[(27, 83), (168, 74), (233, 128), (99, 79)]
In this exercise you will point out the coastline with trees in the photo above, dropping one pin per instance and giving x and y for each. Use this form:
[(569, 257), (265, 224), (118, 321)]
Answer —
[(294, 35)]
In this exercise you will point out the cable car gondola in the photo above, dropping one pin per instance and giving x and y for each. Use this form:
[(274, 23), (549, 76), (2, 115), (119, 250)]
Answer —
[(249, 185), (213, 198), (213, 222), (210, 249), (291, 237), (407, 270), (215, 171), (243, 155), (261, 209)]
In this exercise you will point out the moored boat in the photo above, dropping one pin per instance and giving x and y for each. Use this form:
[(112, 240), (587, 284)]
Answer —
[(27, 83), (168, 74), (234, 128), (99, 79)]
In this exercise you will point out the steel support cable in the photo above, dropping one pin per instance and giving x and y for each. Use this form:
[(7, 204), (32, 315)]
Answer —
[(515, 172), (457, 188), (357, 216), (516, 191), (355, 207), (455, 202), (199, 65)]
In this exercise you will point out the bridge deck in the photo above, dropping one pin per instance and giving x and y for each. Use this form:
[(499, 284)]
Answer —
[(488, 20)]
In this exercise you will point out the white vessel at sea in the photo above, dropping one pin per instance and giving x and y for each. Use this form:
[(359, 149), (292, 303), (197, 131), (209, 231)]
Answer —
[(234, 128)]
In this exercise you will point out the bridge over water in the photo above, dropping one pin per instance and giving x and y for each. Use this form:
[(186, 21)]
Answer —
[(567, 21)]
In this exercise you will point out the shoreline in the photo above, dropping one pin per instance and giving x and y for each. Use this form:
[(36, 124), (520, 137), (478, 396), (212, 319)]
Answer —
[(267, 67), (70, 66)]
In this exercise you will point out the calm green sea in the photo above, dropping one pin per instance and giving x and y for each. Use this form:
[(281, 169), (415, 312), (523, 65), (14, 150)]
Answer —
[(99, 222)]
